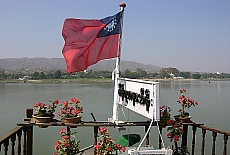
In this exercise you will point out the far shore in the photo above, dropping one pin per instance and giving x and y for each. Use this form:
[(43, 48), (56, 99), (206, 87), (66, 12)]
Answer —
[(93, 80)]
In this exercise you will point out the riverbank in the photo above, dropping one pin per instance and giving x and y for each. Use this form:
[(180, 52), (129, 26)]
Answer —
[(93, 80), (81, 80)]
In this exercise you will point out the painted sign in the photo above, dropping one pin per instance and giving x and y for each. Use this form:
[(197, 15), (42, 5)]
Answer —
[(140, 96)]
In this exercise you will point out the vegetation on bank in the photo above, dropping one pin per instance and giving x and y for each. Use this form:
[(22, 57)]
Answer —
[(106, 76)]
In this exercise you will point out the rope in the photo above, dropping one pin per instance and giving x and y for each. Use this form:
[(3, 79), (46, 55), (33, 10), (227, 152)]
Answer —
[(160, 135), (110, 106), (148, 132), (145, 135)]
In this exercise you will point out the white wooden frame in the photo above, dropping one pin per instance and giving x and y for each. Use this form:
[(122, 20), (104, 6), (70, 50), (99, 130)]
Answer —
[(150, 152), (135, 85)]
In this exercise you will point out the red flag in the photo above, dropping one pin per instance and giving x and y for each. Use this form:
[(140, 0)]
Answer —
[(89, 41)]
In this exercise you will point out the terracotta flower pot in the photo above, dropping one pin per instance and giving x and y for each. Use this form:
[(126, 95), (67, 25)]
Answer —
[(163, 122), (73, 120), (176, 117), (42, 119), (185, 119)]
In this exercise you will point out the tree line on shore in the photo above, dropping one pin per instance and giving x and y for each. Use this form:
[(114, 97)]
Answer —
[(138, 74)]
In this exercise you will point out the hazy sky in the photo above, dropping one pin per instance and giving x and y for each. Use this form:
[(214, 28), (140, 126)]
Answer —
[(191, 35)]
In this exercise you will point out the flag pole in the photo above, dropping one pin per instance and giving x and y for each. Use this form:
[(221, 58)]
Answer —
[(116, 73)]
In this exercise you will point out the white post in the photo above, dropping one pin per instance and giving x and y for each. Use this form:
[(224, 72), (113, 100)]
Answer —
[(116, 76), (115, 93)]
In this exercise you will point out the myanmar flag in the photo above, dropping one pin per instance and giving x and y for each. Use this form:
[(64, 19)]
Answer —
[(89, 41)]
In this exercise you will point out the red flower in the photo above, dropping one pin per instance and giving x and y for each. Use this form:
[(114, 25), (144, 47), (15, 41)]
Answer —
[(175, 126), (181, 130), (36, 104), (56, 145), (107, 140), (66, 103), (59, 113), (184, 90), (75, 112), (103, 130), (163, 106), (65, 137), (169, 122), (196, 103), (169, 134), (123, 148), (118, 145), (176, 138), (62, 131), (97, 146), (56, 102), (43, 105), (75, 100), (181, 97), (67, 144), (68, 111)]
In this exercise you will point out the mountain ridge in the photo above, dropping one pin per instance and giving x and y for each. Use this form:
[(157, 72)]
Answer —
[(59, 64)]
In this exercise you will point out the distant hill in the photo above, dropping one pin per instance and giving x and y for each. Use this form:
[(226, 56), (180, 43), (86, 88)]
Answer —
[(59, 63)]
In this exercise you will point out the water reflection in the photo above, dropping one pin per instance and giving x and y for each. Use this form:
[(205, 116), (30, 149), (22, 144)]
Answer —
[(213, 108)]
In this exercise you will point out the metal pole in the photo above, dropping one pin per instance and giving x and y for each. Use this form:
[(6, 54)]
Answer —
[(117, 74)]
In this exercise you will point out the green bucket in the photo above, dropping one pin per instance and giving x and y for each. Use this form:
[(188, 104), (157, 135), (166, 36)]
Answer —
[(129, 139)]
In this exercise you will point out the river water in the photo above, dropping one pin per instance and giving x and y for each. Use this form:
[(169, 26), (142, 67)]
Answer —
[(15, 98)]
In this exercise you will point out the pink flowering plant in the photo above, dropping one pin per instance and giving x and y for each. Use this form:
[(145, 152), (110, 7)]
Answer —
[(175, 133), (106, 145), (70, 108), (66, 146), (175, 130), (165, 114), (45, 110), (186, 102)]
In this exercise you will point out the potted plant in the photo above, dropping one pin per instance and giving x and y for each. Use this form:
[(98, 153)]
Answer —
[(186, 102), (66, 146), (44, 113), (181, 151), (175, 133), (106, 145), (164, 115), (70, 110)]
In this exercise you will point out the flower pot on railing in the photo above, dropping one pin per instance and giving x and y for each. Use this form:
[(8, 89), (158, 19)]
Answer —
[(73, 120), (69, 111), (164, 115), (163, 122), (42, 119), (44, 113), (177, 117), (186, 119)]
